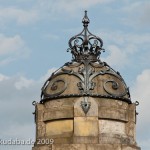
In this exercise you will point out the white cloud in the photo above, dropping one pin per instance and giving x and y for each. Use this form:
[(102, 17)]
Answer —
[(23, 83), (125, 38), (9, 45), (125, 48), (141, 92), (17, 95), (137, 14), (73, 6), (116, 57), (12, 48), (145, 144), (44, 9), (51, 37), (16, 109), (19, 132), (7, 60), (3, 77), (48, 74), (21, 16)]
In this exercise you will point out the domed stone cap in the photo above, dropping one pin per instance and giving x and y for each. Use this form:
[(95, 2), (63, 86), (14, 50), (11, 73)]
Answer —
[(86, 75), (86, 78)]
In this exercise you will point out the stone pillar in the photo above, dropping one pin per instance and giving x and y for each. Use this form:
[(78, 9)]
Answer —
[(106, 125)]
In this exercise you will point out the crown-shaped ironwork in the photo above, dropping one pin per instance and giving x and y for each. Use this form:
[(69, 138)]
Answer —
[(85, 45)]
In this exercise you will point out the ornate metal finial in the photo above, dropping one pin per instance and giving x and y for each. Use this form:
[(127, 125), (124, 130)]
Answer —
[(85, 20), (85, 45)]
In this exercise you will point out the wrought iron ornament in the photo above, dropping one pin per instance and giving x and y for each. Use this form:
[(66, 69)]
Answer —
[(85, 45), (95, 78), (87, 72)]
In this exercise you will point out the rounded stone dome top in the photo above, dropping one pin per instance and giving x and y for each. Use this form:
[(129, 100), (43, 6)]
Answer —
[(86, 75), (85, 78)]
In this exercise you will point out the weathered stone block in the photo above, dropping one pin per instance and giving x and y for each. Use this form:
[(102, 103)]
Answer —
[(44, 147), (40, 106), (60, 104), (130, 147), (109, 139), (130, 129), (103, 147), (59, 127), (109, 103), (132, 106), (112, 127), (85, 139), (69, 147), (93, 111), (41, 130), (113, 113), (131, 114), (39, 112), (86, 126), (58, 114), (39, 115), (62, 139)]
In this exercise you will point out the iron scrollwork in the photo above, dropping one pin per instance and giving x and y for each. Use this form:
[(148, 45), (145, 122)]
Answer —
[(87, 73), (115, 86), (54, 86)]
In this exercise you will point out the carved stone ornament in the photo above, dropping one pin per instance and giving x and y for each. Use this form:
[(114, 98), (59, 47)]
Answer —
[(85, 105)]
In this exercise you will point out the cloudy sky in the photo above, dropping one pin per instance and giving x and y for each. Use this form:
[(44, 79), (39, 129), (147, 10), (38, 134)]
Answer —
[(34, 38)]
